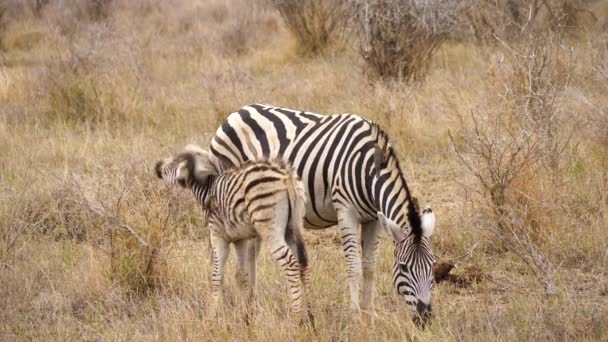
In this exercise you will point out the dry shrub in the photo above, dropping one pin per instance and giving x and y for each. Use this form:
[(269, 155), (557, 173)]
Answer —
[(97, 9), (513, 19), (78, 93), (74, 98), (245, 26), (52, 213), (3, 24), (536, 73), (316, 24), (71, 16), (600, 60), (399, 37), (137, 219), (599, 114), (45, 210), (225, 92), (12, 227), (18, 30), (596, 14), (18, 9), (517, 152), (38, 5), (126, 214), (4, 15)]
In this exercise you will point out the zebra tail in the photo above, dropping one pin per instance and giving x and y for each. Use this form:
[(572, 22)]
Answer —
[(297, 204)]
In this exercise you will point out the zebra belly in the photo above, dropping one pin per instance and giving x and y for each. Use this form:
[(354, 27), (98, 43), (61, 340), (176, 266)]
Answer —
[(326, 217), (237, 232)]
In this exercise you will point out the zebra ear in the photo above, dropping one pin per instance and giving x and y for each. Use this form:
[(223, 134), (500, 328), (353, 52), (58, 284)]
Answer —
[(416, 205), (183, 173), (203, 168), (393, 230), (428, 221), (202, 165)]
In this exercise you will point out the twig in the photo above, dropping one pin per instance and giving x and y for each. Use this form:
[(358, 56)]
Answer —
[(103, 213), (100, 212), (134, 233)]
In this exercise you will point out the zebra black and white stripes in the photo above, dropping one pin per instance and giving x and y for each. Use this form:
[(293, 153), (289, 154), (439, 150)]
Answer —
[(258, 200), (352, 177)]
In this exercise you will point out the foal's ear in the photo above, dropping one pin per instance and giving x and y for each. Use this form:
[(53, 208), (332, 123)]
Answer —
[(393, 230), (184, 173), (200, 164)]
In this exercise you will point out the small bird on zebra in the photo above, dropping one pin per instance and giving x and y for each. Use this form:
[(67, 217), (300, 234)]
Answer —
[(353, 178), (257, 201)]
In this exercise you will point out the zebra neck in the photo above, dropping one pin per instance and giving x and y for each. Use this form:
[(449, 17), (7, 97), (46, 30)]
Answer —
[(203, 192), (392, 196)]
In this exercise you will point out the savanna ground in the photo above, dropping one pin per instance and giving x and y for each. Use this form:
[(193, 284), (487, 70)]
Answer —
[(91, 97)]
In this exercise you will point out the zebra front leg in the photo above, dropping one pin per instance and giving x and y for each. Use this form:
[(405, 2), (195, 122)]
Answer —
[(369, 244), (220, 248), (349, 236)]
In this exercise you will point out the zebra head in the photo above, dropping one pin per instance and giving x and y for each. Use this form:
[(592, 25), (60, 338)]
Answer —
[(413, 266), (182, 169)]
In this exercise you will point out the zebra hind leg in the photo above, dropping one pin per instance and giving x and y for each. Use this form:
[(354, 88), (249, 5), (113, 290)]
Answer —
[(295, 241), (280, 251)]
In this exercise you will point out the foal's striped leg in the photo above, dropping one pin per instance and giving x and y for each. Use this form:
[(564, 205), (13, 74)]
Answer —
[(245, 273), (220, 249), (287, 261)]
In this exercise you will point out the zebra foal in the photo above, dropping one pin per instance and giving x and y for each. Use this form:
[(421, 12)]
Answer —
[(261, 200)]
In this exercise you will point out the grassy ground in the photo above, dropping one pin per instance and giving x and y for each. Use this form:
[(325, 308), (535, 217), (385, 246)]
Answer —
[(88, 103)]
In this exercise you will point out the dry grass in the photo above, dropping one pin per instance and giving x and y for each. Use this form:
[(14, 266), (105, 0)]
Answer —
[(88, 105)]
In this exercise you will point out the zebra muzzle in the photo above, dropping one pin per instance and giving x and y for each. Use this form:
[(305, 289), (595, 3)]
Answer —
[(424, 313)]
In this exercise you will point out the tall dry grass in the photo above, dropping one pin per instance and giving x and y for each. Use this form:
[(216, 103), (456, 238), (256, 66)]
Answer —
[(87, 106)]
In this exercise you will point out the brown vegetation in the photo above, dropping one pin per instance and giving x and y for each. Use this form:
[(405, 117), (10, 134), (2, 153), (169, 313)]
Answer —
[(488, 19), (398, 38), (92, 246), (316, 24)]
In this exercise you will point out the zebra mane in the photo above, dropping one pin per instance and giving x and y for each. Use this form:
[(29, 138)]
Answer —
[(385, 158), (271, 162)]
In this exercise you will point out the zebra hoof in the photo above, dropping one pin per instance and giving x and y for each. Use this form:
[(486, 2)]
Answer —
[(247, 319), (308, 319)]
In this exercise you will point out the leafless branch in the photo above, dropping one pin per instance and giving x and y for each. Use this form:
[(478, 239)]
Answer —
[(102, 212), (522, 140)]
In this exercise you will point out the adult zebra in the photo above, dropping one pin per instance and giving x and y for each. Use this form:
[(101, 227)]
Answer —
[(352, 176)]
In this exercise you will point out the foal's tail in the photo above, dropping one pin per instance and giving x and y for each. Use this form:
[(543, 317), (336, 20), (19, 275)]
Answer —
[(297, 207)]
